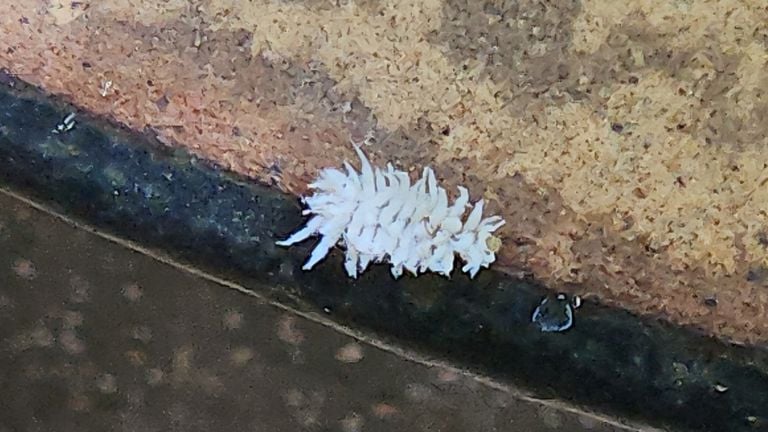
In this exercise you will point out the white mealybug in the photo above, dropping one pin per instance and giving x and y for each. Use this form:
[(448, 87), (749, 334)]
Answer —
[(380, 217)]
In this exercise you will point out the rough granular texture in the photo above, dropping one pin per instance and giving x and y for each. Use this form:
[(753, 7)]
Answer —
[(623, 141)]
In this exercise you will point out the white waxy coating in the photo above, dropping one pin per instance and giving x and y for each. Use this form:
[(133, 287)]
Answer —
[(380, 217)]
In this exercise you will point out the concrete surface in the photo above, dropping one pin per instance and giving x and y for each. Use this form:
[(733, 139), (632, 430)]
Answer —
[(94, 336)]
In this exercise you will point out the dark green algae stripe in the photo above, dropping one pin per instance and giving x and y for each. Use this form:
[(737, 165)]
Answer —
[(124, 183)]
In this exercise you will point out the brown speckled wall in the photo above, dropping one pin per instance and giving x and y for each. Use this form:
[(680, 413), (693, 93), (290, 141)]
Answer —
[(623, 141)]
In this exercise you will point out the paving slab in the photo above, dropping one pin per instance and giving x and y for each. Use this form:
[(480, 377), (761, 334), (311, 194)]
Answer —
[(94, 336)]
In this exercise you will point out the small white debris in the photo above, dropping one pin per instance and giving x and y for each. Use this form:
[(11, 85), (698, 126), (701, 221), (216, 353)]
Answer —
[(105, 86), (66, 125), (576, 302)]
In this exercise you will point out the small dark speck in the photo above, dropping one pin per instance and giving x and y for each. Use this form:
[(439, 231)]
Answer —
[(617, 127), (757, 275), (244, 40), (86, 65), (6, 78), (446, 131), (710, 302), (634, 80), (24, 20), (762, 238), (162, 103)]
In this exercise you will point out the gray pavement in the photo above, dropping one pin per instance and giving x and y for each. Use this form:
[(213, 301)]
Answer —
[(97, 337)]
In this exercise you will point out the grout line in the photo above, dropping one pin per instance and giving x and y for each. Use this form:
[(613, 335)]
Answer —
[(319, 319)]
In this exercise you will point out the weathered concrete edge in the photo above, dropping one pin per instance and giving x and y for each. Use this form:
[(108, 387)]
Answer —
[(122, 182)]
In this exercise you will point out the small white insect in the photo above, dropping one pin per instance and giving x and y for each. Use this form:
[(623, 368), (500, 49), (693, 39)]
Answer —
[(379, 216)]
